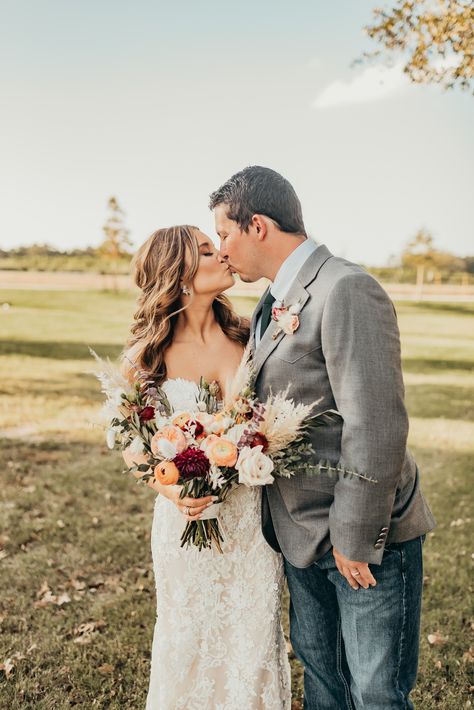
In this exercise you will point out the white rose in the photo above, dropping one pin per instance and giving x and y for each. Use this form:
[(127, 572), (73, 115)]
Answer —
[(234, 433), (254, 467)]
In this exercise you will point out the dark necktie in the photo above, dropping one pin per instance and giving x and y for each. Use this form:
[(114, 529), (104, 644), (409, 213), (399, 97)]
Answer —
[(266, 316)]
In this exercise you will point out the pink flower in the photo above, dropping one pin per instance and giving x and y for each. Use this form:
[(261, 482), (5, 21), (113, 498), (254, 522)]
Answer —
[(286, 318), (291, 324)]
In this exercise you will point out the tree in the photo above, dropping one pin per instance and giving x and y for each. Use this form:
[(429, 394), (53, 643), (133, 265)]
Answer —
[(116, 237), (436, 36), (469, 262), (420, 254)]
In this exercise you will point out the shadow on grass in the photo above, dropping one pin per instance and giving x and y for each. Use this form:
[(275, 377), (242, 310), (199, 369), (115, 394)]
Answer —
[(81, 386), (427, 365), (58, 350), (447, 401), (463, 309)]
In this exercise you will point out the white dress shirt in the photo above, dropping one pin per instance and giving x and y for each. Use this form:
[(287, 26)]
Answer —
[(286, 275)]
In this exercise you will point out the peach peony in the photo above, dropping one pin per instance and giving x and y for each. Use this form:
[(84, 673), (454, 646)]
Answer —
[(166, 473), (222, 452), (207, 441), (173, 435)]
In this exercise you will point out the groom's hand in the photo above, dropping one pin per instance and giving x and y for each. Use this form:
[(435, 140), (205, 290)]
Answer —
[(356, 573)]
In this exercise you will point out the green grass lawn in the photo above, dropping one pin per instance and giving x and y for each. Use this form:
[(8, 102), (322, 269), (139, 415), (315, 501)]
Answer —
[(77, 602)]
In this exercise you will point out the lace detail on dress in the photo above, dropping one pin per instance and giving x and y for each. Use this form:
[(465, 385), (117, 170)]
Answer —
[(218, 642)]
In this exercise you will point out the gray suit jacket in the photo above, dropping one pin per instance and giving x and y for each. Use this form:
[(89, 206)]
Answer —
[(347, 351)]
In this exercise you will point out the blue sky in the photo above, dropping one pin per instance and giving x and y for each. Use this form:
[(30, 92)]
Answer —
[(158, 103)]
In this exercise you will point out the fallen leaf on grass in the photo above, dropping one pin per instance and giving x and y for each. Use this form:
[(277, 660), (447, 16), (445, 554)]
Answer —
[(45, 597), (77, 584), (7, 667), (459, 522), (105, 668), (468, 656), (85, 632), (436, 639)]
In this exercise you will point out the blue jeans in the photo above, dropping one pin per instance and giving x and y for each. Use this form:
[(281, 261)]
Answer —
[(359, 648)]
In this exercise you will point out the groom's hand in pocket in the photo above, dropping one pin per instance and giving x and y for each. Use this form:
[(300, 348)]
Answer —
[(357, 574)]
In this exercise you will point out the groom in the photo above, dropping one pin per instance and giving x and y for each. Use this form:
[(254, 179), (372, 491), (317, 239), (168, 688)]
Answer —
[(351, 535)]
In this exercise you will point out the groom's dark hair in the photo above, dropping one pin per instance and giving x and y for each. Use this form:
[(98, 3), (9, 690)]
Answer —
[(257, 190)]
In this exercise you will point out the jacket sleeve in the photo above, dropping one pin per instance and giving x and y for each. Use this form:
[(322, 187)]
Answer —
[(361, 346)]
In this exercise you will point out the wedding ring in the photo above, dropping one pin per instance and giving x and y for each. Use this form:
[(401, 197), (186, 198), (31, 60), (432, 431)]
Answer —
[(187, 509), (356, 573)]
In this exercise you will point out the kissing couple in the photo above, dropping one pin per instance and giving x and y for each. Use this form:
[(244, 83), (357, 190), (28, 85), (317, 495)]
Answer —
[(348, 544)]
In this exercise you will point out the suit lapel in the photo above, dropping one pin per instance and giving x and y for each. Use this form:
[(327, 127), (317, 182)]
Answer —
[(297, 293), (274, 334)]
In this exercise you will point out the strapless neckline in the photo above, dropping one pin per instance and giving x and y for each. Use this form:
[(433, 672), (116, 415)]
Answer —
[(174, 386)]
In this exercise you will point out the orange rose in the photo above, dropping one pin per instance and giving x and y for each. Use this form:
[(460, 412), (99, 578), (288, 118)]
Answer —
[(173, 434), (207, 441), (166, 473), (222, 452)]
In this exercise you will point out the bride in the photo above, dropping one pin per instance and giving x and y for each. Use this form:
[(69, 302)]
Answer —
[(218, 642)]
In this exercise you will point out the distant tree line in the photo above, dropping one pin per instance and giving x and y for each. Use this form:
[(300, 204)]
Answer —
[(420, 261), (112, 256)]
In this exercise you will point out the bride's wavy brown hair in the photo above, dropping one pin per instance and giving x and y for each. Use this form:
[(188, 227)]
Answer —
[(159, 271)]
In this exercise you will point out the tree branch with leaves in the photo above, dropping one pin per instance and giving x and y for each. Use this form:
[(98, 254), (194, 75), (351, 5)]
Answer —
[(436, 37)]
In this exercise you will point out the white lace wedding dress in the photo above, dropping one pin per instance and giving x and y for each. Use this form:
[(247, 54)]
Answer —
[(218, 642)]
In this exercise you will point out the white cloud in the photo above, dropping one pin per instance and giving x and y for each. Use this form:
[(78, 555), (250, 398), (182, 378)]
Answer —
[(372, 84)]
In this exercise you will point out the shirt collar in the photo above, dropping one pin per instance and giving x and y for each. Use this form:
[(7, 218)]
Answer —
[(290, 267)]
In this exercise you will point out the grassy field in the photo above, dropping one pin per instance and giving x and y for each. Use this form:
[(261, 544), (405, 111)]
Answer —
[(77, 591)]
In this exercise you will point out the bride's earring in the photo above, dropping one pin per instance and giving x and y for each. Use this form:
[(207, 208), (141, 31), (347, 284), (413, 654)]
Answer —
[(185, 290)]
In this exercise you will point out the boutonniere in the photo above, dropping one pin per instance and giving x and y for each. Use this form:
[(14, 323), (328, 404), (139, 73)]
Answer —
[(287, 318)]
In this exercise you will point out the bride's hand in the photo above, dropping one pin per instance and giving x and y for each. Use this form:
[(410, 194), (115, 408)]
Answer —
[(191, 508)]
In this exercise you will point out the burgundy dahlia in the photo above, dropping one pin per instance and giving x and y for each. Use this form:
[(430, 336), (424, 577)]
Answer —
[(146, 414), (192, 463)]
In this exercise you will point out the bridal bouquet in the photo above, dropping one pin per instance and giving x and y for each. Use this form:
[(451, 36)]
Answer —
[(213, 447)]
